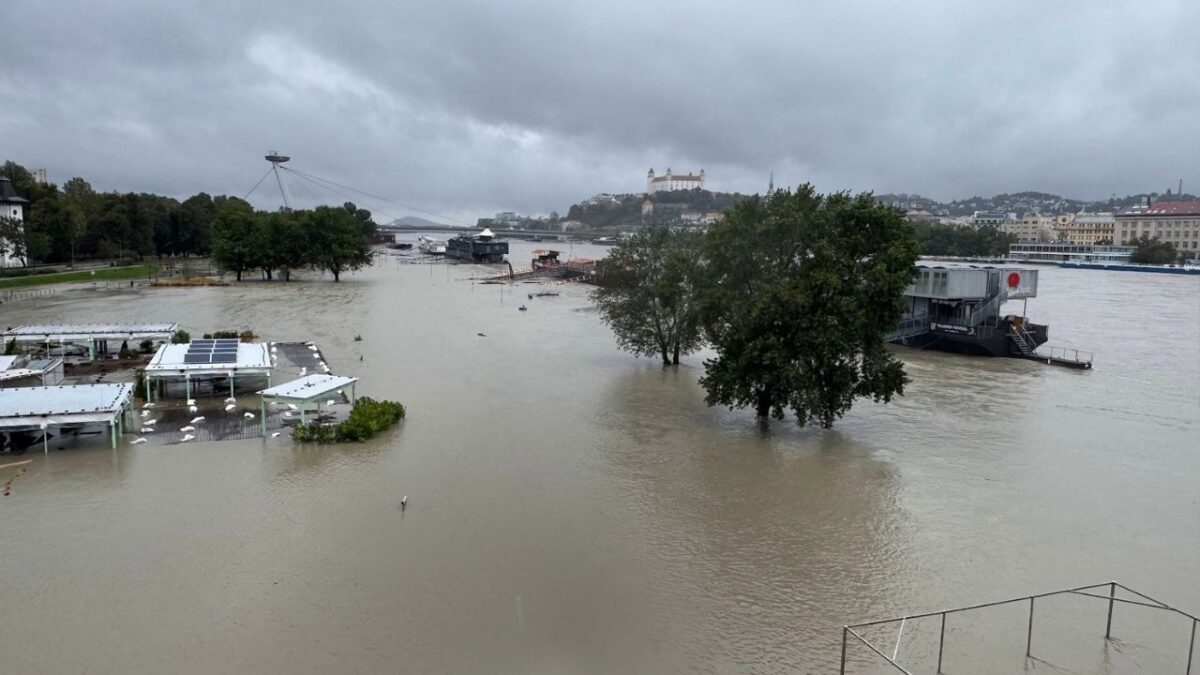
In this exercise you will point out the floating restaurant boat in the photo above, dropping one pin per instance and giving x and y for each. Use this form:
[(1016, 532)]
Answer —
[(956, 308), (431, 246), (481, 247)]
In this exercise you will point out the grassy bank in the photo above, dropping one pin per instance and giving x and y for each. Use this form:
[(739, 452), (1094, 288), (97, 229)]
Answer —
[(102, 274)]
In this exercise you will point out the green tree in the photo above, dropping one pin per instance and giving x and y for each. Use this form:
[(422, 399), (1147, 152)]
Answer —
[(196, 215), (12, 238), (647, 293), (285, 247), (235, 237), (1153, 251), (800, 289), (339, 238)]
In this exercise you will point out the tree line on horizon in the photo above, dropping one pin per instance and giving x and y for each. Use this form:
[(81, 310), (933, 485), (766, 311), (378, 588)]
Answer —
[(75, 222)]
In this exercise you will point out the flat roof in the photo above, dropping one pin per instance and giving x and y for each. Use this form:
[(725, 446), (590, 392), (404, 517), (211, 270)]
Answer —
[(308, 387), (80, 331), (251, 356), (63, 404)]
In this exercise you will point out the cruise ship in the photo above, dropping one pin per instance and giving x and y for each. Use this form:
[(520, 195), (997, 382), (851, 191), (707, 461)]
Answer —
[(954, 307)]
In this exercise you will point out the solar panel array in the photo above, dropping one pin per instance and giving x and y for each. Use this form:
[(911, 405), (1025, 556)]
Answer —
[(212, 351)]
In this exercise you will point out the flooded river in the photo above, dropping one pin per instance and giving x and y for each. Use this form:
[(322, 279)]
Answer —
[(573, 509)]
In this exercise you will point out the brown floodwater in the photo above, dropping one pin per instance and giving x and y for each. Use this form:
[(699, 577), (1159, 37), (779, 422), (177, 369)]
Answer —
[(573, 509)]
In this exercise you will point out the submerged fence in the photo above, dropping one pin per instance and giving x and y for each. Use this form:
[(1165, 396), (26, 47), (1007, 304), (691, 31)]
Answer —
[(852, 630)]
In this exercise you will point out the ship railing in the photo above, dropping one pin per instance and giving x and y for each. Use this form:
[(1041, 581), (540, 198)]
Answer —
[(1066, 354), (909, 327)]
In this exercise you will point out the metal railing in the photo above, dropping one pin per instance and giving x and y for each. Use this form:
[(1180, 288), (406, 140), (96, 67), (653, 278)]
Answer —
[(1067, 354), (909, 328), (1143, 600)]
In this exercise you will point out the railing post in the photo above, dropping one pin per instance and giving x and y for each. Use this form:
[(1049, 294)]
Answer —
[(941, 643), (1029, 634), (1112, 593), (1191, 649), (845, 635)]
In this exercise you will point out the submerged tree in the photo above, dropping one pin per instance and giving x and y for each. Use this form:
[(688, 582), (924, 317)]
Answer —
[(647, 293), (339, 239), (800, 289), (236, 245)]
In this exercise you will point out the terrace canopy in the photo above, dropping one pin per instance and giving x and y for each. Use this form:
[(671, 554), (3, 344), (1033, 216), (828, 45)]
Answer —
[(79, 405), (89, 334), (207, 360), (303, 391)]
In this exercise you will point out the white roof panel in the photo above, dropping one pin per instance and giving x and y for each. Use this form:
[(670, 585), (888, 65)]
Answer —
[(309, 386), (76, 331), (250, 356), (64, 400)]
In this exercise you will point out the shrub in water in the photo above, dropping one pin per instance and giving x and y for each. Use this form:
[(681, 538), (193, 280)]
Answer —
[(368, 418)]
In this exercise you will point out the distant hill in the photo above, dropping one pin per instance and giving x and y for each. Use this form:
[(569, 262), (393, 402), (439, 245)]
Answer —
[(625, 210), (1020, 203), (417, 221)]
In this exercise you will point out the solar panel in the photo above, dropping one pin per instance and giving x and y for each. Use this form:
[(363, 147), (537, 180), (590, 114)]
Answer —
[(219, 357), (196, 358), (228, 342), (201, 343)]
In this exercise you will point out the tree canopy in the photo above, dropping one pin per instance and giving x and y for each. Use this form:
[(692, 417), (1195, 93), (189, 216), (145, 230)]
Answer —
[(952, 240), (647, 293), (799, 290), (1153, 251)]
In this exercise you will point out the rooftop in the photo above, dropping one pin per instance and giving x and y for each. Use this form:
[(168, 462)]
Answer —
[(252, 356), (8, 194), (111, 331), (24, 403), (1190, 208), (309, 387)]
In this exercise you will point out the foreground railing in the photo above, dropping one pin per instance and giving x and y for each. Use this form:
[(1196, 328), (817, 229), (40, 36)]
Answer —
[(849, 631), (1065, 354)]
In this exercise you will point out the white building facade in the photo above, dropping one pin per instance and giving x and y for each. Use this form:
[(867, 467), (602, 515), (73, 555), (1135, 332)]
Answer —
[(11, 207), (670, 182), (1030, 227)]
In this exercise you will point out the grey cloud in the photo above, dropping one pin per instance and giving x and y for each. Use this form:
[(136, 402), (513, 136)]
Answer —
[(465, 107)]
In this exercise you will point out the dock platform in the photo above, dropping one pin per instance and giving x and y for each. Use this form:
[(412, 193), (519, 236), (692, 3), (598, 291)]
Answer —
[(1066, 358)]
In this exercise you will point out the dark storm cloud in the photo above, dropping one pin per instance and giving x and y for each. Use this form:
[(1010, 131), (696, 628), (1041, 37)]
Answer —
[(466, 107)]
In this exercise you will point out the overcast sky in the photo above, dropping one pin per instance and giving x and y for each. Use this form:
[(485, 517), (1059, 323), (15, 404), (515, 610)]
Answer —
[(466, 107)]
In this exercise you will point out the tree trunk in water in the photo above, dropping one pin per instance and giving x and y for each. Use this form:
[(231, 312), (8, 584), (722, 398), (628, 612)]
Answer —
[(666, 356), (239, 275), (763, 404), (675, 361), (335, 276), (268, 275)]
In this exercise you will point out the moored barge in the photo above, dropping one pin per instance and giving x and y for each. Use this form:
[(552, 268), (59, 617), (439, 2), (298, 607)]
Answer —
[(480, 248)]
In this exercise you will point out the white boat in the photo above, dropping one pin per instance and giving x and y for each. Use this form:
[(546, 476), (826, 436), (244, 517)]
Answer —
[(431, 246)]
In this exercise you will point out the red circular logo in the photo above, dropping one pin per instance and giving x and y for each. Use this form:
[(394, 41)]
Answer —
[(1014, 280)]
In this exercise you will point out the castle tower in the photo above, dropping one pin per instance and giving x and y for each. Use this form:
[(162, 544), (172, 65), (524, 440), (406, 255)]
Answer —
[(649, 180), (13, 207)]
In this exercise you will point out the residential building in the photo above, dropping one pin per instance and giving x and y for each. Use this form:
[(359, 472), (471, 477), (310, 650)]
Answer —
[(11, 207), (991, 218), (39, 176), (1177, 223), (1086, 228), (1031, 227), (670, 182)]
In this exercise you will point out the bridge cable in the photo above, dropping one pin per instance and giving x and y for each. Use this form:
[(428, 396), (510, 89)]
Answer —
[(373, 196)]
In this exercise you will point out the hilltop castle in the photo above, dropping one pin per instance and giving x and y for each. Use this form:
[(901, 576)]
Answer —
[(669, 182)]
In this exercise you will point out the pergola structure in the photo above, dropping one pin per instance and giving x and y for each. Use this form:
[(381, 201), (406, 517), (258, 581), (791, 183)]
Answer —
[(92, 335), (65, 406), (303, 391), (204, 360)]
